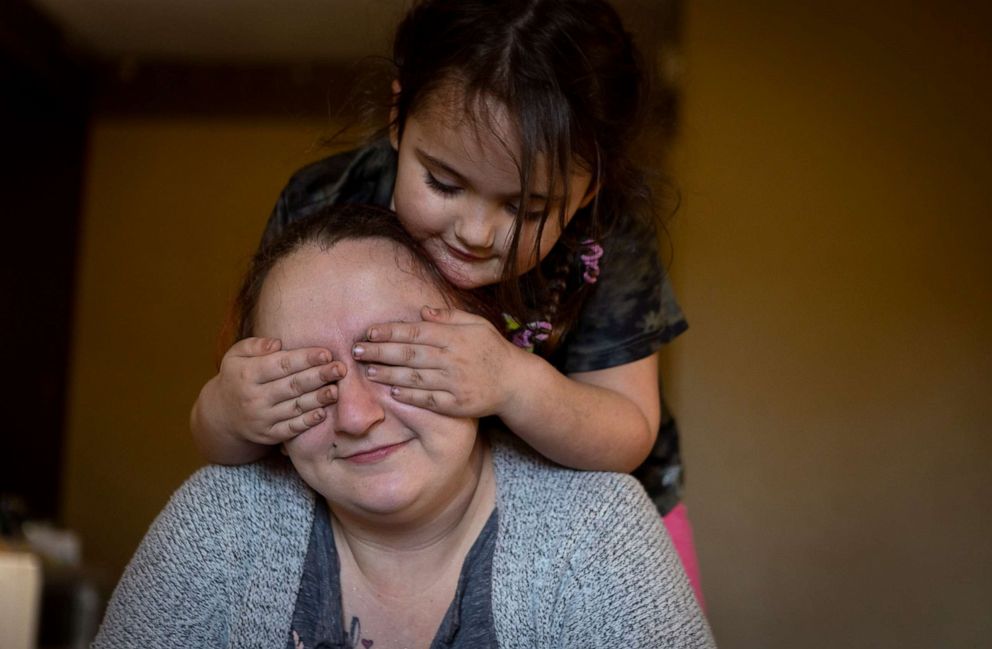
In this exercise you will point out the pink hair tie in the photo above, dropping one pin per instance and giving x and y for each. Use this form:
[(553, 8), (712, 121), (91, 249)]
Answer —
[(529, 334), (590, 255)]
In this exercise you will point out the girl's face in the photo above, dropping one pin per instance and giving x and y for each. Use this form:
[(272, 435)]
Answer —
[(458, 189)]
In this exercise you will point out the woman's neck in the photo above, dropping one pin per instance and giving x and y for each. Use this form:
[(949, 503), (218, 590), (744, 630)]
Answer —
[(397, 558)]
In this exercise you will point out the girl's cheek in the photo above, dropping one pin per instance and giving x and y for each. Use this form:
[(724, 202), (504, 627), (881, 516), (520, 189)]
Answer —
[(414, 222)]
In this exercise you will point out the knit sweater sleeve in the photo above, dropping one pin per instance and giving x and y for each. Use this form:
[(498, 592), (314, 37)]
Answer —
[(219, 566)]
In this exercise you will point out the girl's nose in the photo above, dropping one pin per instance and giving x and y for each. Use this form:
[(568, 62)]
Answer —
[(358, 409), (476, 229)]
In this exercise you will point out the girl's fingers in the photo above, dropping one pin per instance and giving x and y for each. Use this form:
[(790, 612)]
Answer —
[(408, 355), (422, 333), (407, 377), (436, 400), (290, 428), (248, 347), (306, 381), (305, 403), (282, 364), (450, 316)]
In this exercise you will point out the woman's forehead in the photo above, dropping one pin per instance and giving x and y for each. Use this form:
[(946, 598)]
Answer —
[(338, 292)]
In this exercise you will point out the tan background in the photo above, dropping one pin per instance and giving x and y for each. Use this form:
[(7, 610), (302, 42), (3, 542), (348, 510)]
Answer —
[(832, 253), (173, 209)]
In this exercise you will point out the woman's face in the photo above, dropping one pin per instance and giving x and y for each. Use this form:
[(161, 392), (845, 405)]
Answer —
[(371, 456), (458, 188)]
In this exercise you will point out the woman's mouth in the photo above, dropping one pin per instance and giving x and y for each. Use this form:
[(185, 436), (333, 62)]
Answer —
[(373, 455)]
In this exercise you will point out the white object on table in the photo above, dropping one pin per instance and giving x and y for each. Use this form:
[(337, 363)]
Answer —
[(20, 599)]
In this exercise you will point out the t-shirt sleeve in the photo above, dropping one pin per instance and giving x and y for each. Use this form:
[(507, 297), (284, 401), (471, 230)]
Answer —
[(309, 189), (631, 311)]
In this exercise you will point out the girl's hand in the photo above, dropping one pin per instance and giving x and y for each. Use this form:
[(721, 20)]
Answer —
[(265, 396), (454, 363)]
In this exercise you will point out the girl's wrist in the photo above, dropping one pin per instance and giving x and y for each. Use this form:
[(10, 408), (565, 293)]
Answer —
[(523, 371)]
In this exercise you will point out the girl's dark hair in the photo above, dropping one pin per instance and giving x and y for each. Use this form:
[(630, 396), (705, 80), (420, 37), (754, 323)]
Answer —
[(327, 227), (571, 77)]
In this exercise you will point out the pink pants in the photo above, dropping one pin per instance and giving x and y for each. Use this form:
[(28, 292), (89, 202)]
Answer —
[(680, 531)]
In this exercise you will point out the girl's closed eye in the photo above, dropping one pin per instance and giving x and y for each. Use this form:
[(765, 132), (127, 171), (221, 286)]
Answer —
[(529, 215), (439, 187)]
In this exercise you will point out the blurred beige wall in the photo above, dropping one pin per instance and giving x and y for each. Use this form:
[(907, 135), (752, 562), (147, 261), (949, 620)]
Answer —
[(172, 210), (834, 255)]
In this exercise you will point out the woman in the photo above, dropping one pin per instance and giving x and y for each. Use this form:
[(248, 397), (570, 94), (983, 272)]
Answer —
[(391, 525)]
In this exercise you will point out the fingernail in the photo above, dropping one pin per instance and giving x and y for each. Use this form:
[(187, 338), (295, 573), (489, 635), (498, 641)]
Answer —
[(271, 344), (371, 370), (394, 390), (357, 351), (323, 358), (373, 333), (431, 310)]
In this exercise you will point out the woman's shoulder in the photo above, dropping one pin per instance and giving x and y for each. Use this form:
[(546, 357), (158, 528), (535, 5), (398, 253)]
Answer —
[(530, 486), (582, 559), (227, 535), (246, 496), (270, 476)]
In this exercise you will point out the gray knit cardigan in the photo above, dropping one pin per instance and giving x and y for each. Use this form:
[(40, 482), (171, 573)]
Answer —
[(581, 560)]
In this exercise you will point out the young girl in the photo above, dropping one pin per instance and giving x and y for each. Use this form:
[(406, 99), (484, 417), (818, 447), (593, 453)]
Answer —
[(507, 158)]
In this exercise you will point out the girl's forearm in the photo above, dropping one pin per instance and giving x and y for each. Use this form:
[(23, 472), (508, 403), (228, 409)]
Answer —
[(579, 424)]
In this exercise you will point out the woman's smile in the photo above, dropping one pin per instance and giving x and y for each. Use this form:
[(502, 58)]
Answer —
[(374, 454)]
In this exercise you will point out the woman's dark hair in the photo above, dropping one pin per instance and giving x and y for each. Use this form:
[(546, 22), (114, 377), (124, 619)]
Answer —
[(327, 227), (571, 77)]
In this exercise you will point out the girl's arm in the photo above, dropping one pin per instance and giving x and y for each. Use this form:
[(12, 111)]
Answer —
[(605, 420), (458, 364)]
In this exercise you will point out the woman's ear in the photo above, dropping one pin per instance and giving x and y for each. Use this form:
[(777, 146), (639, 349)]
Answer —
[(394, 127)]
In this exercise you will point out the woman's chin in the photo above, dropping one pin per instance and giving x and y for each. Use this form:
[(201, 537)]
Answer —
[(382, 501)]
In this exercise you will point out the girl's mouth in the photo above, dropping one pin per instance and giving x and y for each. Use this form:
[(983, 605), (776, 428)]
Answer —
[(466, 256)]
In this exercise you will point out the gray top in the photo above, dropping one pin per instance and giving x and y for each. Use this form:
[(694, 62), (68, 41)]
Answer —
[(581, 560), (317, 620)]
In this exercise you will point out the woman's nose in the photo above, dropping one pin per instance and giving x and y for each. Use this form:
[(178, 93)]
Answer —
[(358, 409)]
